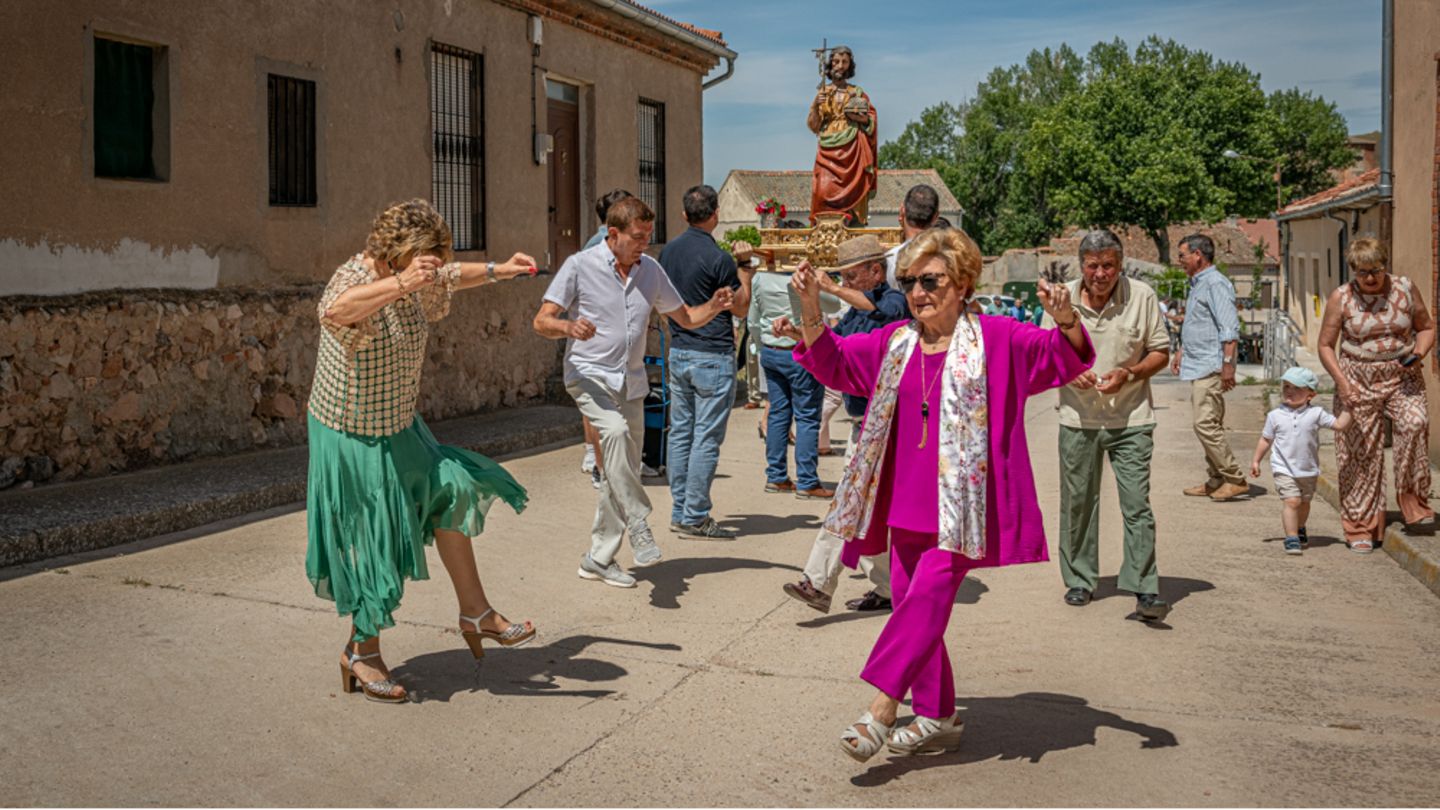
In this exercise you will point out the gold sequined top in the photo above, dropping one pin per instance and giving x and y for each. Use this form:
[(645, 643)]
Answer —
[(367, 374)]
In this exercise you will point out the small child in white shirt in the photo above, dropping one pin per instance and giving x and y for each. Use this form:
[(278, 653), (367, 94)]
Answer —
[(1293, 430)]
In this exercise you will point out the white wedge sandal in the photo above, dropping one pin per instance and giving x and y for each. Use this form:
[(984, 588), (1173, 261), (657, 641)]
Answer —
[(932, 736), (860, 747)]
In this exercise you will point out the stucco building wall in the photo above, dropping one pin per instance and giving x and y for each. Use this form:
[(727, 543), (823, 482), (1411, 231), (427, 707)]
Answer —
[(1417, 163), (125, 367)]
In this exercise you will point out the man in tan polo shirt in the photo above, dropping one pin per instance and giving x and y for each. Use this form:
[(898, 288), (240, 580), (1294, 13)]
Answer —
[(1107, 411)]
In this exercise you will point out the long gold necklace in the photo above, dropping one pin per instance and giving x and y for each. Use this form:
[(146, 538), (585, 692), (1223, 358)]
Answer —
[(926, 386)]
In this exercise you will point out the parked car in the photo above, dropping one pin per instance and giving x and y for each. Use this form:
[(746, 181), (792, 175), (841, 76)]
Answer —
[(988, 301)]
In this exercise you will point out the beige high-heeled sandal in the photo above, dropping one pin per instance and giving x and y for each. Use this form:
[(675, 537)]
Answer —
[(386, 691), (861, 747), (929, 735), (516, 635)]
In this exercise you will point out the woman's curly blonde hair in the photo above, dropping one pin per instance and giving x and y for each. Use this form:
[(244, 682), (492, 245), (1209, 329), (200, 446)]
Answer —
[(951, 246), (406, 229), (1367, 252)]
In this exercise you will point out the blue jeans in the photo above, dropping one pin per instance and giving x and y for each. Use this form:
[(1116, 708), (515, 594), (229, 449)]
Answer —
[(702, 391), (793, 394)]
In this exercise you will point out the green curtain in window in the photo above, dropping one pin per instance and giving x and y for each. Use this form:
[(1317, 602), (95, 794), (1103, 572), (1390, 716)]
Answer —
[(124, 109)]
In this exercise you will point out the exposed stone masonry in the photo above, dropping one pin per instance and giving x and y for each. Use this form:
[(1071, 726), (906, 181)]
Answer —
[(103, 382)]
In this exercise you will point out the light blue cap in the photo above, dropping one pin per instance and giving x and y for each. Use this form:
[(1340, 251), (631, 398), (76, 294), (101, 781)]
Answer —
[(1301, 377)]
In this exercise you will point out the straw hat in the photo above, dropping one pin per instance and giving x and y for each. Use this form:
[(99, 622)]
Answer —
[(861, 249)]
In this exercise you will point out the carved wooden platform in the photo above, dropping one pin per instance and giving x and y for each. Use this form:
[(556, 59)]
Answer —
[(792, 245)]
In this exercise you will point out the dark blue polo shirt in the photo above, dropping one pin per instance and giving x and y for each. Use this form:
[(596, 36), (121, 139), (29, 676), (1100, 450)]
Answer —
[(890, 306), (698, 267)]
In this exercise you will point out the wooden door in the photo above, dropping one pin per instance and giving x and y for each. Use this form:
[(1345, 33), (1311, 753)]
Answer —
[(564, 162)]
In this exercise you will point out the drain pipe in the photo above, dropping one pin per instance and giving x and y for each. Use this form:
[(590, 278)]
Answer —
[(1387, 103), (1344, 243)]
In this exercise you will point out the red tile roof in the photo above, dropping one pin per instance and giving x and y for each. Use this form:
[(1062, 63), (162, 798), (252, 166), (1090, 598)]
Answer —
[(714, 36), (1318, 202)]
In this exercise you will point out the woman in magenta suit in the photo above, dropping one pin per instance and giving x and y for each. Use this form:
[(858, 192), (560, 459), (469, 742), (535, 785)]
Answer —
[(941, 472)]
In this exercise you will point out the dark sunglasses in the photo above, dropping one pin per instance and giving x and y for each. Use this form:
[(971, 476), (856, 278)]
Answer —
[(929, 282)]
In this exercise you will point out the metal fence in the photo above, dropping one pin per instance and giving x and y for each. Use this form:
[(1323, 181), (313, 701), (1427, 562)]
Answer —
[(1282, 336)]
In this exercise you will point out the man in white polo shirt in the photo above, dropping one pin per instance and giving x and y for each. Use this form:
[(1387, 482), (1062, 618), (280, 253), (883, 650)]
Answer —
[(609, 292)]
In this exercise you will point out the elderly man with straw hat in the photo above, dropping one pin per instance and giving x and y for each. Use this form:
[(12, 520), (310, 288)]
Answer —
[(873, 304)]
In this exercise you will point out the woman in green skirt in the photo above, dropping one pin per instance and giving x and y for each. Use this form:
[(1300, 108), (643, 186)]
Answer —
[(380, 486)]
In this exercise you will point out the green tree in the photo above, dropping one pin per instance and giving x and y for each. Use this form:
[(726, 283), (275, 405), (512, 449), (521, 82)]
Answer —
[(1311, 134), (1142, 143)]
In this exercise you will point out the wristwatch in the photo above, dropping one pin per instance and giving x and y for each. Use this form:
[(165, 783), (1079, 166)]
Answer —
[(1227, 361), (490, 271)]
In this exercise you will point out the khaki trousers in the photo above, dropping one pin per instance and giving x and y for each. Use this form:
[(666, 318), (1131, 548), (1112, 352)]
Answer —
[(1208, 404), (823, 567), (623, 503)]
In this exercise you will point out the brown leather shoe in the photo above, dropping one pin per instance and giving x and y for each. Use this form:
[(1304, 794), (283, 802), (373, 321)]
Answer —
[(780, 486), (809, 594), (816, 494), (1202, 490), (1228, 491)]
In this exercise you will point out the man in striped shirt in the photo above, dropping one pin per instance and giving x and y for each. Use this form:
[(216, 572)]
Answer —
[(1209, 338)]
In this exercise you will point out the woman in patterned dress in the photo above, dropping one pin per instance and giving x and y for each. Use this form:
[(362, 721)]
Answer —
[(380, 487), (1384, 329), (947, 397)]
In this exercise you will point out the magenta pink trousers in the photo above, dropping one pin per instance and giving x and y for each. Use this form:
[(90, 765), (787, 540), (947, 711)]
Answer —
[(910, 654)]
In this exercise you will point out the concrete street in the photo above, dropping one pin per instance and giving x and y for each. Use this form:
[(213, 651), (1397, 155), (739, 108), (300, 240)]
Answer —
[(201, 670)]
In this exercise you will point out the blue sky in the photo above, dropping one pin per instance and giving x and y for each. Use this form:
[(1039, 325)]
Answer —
[(915, 53)]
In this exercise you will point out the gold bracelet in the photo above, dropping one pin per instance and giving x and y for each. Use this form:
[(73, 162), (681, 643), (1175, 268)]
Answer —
[(400, 283), (1066, 327), (813, 323)]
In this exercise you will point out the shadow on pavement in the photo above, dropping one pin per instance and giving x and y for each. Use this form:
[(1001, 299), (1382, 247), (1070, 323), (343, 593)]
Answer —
[(1025, 726), (671, 578), (528, 670), (755, 525), (1316, 540), (1172, 589), (970, 592)]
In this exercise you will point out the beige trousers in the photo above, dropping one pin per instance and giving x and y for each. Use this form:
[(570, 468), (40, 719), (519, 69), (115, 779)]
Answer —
[(1208, 404)]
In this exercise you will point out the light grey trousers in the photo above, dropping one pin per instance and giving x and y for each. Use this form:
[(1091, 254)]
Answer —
[(823, 567), (623, 503)]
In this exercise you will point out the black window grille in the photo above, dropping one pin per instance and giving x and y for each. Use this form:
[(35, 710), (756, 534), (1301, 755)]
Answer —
[(652, 162), (292, 141), (125, 110), (457, 116)]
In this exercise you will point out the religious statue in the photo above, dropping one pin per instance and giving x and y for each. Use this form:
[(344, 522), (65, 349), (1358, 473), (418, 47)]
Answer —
[(844, 119)]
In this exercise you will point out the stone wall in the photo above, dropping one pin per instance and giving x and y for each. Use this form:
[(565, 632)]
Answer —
[(104, 382)]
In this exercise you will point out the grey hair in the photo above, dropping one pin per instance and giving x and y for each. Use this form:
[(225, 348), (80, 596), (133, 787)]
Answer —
[(1202, 244), (1099, 242)]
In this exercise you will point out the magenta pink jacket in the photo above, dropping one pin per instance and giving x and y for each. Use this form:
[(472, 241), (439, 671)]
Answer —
[(1021, 360)]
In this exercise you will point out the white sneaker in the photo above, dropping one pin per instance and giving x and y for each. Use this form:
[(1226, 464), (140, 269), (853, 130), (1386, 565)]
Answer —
[(611, 574), (588, 464), (642, 543), (646, 471)]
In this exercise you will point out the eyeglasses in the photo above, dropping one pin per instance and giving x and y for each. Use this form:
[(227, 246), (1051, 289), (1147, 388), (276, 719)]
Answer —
[(929, 282), (1367, 271)]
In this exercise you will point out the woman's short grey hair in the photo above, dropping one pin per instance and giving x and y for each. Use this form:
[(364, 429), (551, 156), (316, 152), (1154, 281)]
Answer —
[(1099, 242)]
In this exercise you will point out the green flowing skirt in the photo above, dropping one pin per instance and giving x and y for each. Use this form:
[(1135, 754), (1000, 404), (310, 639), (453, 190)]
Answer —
[(375, 502)]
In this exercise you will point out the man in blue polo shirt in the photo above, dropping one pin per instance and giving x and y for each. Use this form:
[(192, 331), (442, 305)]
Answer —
[(701, 365), (873, 304)]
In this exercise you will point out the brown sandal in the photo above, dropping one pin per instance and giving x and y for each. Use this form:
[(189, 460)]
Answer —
[(516, 635)]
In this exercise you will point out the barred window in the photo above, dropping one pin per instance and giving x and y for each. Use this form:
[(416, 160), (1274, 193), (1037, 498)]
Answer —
[(457, 117), (131, 110), (292, 141), (652, 162)]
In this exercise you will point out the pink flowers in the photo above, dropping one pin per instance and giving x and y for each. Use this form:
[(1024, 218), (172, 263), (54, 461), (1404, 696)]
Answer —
[(770, 205)]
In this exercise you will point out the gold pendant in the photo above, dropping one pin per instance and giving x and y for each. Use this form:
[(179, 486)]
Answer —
[(924, 433)]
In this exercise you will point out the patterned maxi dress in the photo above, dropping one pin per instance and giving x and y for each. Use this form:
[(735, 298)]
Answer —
[(1376, 331)]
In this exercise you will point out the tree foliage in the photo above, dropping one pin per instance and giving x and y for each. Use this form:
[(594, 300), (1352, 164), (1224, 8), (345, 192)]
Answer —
[(1119, 138)]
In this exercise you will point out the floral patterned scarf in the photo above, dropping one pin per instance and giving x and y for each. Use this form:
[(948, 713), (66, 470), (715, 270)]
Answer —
[(964, 442)]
